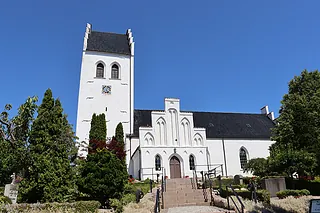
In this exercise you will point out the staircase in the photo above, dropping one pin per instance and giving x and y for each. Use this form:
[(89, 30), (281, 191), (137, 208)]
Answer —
[(179, 192)]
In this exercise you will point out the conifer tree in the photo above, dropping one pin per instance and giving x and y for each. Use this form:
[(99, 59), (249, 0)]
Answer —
[(102, 175), (119, 133), (98, 133), (116, 145), (50, 175)]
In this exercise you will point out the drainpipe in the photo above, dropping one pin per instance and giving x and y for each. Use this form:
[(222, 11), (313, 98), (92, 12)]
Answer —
[(225, 158)]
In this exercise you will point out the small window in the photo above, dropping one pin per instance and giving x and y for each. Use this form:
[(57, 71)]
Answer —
[(191, 162), (115, 71), (100, 71), (243, 158), (158, 163)]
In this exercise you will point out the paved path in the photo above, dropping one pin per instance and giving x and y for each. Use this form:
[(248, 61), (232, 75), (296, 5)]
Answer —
[(196, 209)]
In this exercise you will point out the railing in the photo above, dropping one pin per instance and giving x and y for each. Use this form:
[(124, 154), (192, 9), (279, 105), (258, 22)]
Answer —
[(215, 169), (156, 175), (229, 197), (194, 181), (163, 189), (157, 204)]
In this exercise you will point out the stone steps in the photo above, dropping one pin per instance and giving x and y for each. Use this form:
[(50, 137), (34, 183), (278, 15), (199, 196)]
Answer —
[(179, 192)]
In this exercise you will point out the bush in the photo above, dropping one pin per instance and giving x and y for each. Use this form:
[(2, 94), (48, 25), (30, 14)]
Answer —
[(81, 206), (289, 192), (5, 200), (262, 195)]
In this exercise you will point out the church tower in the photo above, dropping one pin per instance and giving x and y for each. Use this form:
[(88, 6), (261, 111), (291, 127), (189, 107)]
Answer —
[(106, 82)]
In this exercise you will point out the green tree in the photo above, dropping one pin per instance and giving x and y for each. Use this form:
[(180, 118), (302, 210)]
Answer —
[(258, 167), (298, 125), (116, 145), (14, 134), (50, 176), (98, 133), (119, 133), (103, 176)]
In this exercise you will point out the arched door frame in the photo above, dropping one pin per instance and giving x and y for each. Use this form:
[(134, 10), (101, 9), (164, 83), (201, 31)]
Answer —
[(181, 164)]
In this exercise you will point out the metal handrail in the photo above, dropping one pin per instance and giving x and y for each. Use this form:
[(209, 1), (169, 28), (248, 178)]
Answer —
[(153, 172), (237, 196), (157, 204)]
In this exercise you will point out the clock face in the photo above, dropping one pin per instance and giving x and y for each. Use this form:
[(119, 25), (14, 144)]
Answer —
[(106, 89)]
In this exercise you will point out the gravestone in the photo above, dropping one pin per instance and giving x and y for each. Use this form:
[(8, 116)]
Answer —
[(11, 190), (274, 185), (238, 180)]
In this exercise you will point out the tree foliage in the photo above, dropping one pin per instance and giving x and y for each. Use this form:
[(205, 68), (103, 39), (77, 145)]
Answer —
[(14, 134), (297, 133), (119, 133), (103, 176), (116, 145), (117, 148), (50, 175), (98, 133), (258, 167)]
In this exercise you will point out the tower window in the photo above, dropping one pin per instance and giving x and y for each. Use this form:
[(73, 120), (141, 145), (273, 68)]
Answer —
[(100, 71), (115, 71)]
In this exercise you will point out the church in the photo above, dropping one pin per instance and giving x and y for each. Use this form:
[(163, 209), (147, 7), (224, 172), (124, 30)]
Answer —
[(167, 141)]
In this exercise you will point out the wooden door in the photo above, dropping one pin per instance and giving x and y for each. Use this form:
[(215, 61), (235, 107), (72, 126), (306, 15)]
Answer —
[(175, 168)]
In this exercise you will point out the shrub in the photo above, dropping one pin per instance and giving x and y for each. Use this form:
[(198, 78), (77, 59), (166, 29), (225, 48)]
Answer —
[(289, 192), (262, 195), (4, 200), (81, 206)]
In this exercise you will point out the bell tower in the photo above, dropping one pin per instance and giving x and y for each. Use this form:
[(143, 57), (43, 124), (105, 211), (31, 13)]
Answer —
[(106, 82)]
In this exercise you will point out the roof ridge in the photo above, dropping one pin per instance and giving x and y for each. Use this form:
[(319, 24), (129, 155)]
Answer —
[(109, 33), (243, 113)]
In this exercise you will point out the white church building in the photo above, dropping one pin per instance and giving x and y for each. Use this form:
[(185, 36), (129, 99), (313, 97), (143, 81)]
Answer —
[(165, 141)]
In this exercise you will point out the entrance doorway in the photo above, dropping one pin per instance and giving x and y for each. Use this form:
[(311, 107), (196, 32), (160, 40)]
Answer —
[(175, 168)]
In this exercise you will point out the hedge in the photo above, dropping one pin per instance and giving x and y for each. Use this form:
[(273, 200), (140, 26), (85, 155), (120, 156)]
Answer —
[(262, 195), (289, 192), (312, 186), (80, 206)]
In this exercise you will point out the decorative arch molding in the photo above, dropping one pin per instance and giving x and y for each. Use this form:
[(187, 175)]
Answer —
[(173, 113), (100, 62), (161, 132), (149, 139), (186, 131), (198, 140)]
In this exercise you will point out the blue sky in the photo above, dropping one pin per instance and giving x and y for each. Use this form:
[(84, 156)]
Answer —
[(226, 56)]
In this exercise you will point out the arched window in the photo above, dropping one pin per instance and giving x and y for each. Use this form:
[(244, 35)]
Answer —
[(191, 162), (243, 157), (100, 71), (115, 71), (158, 163)]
